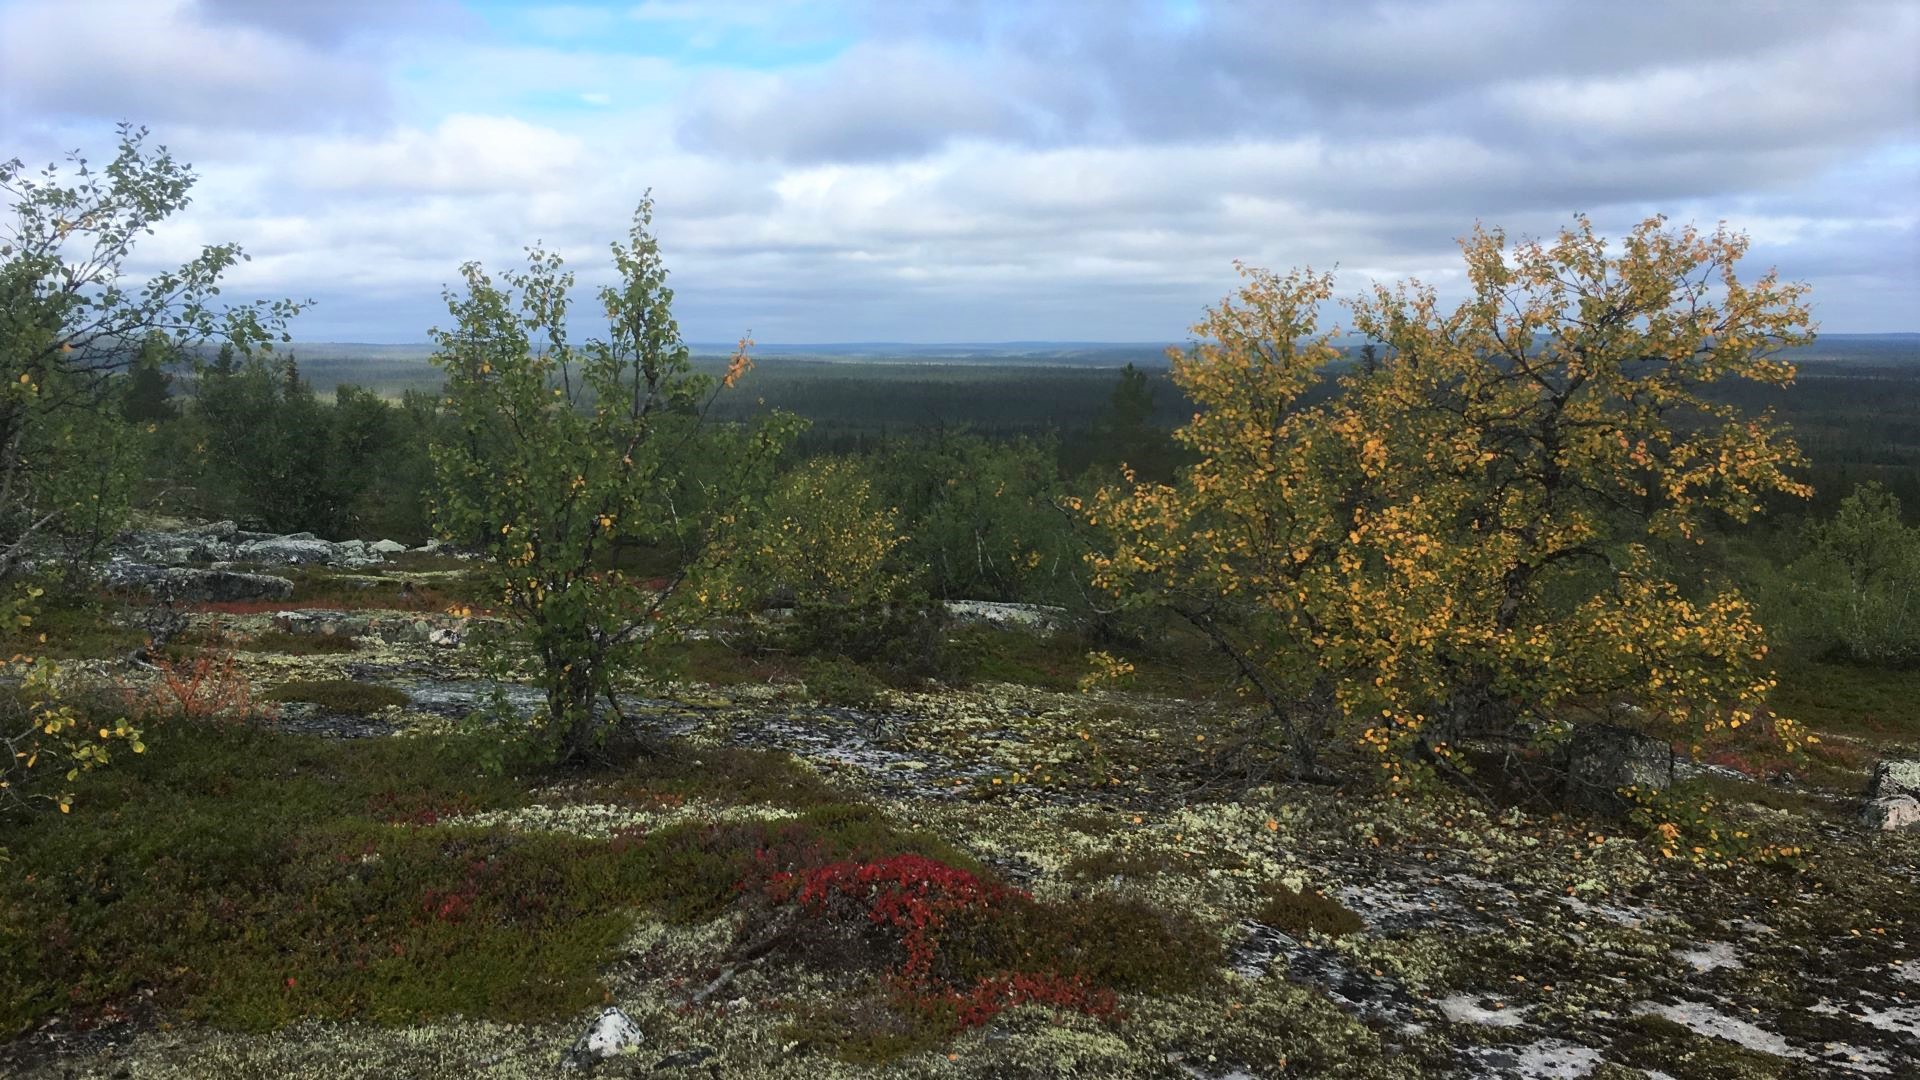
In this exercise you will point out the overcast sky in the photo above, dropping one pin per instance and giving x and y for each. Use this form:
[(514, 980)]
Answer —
[(906, 171)]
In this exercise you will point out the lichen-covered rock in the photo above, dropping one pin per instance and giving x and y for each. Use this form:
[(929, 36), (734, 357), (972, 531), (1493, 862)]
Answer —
[(614, 1033), (321, 621), (1895, 777), (297, 548), (187, 585), (1601, 759), (1890, 813), (386, 547)]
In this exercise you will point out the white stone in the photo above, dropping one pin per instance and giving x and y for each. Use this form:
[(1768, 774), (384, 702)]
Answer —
[(1466, 1009), (1890, 813), (1710, 956), (387, 547), (614, 1033)]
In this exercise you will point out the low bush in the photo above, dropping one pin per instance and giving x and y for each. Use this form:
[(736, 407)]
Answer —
[(1303, 913), (340, 695), (833, 681)]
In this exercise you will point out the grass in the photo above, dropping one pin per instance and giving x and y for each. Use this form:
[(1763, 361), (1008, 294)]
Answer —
[(339, 695), (1880, 705), (83, 629)]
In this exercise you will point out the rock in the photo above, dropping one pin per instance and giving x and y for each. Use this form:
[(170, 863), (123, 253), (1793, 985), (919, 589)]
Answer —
[(1600, 759), (685, 1059), (298, 549), (184, 584), (444, 637), (612, 1035), (223, 531), (1032, 617), (1895, 777), (322, 622), (1891, 813), (386, 547), (173, 549)]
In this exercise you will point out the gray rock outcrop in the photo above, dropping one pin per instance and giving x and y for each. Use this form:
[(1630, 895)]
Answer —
[(1893, 796), (1601, 759), (185, 584)]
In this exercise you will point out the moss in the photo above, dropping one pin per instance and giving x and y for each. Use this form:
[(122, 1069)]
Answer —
[(340, 695), (1302, 913), (1100, 866), (1655, 1042)]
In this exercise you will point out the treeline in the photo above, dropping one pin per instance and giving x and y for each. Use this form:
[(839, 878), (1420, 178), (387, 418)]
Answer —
[(980, 504), (255, 443)]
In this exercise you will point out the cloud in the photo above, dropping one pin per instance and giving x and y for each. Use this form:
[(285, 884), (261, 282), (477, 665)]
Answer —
[(157, 62), (873, 102), (461, 155), (991, 170), (330, 23)]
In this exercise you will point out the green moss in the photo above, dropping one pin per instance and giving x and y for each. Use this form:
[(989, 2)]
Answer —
[(1302, 913), (339, 695), (1655, 1042), (1100, 866)]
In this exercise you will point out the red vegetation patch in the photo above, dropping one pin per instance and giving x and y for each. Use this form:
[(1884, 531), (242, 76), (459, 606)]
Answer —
[(915, 899), (912, 894)]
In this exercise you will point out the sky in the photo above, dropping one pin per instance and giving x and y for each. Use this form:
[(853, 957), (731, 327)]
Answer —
[(980, 171)]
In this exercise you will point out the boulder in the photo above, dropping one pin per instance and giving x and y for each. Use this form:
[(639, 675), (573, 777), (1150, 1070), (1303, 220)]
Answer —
[(297, 549), (174, 549), (1891, 813), (225, 532), (1601, 759), (320, 622), (187, 585), (386, 547), (1893, 796), (1893, 777), (613, 1034)]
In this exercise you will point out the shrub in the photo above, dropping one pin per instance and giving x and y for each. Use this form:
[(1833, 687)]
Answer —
[(340, 695), (1431, 544), (1302, 913), (834, 681)]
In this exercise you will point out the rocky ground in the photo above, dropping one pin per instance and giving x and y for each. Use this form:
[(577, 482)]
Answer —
[(1474, 938)]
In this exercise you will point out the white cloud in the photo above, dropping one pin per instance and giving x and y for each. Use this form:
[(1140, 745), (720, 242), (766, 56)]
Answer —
[(990, 171), (156, 61)]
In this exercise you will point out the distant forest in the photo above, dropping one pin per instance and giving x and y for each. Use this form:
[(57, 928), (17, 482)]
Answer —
[(1855, 407)]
